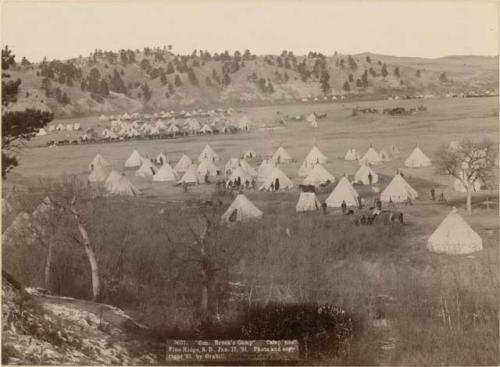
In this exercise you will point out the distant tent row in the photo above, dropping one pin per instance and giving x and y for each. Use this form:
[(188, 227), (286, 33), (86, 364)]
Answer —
[(415, 160)]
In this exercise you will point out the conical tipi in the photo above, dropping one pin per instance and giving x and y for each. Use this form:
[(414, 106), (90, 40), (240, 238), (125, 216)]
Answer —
[(454, 236), (307, 202), (99, 173), (240, 210), (208, 153), (119, 184), (398, 191), (207, 168), (371, 157), (315, 156), (98, 160), (417, 158), (343, 192), (165, 173), (184, 163), (281, 156), (363, 175), (135, 160), (147, 169), (319, 176), (351, 155), (264, 169), (191, 176), (276, 175)]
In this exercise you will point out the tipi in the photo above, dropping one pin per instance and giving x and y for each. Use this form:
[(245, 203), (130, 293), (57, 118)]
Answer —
[(343, 192), (371, 157), (119, 184), (240, 174), (165, 173), (240, 210), (417, 158), (207, 168), (319, 176), (147, 169), (281, 156), (161, 158), (305, 168), (276, 175), (363, 173), (316, 156), (135, 160), (184, 163), (307, 202), (264, 169), (398, 191), (191, 176), (98, 161), (99, 173), (454, 236), (208, 153), (351, 155), (248, 168)]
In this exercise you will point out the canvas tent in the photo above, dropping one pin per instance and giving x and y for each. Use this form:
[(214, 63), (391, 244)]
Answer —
[(147, 169), (248, 168), (119, 184), (371, 157), (454, 236), (319, 176), (98, 161), (316, 156), (135, 160), (417, 158), (276, 175), (165, 173), (208, 153), (249, 154), (362, 175), (161, 158), (240, 210), (398, 191), (99, 173), (281, 156), (240, 174), (351, 155), (207, 168), (305, 168), (191, 177), (342, 192), (307, 202), (184, 163), (264, 169)]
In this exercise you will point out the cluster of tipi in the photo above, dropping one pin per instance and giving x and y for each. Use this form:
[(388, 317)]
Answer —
[(416, 159)]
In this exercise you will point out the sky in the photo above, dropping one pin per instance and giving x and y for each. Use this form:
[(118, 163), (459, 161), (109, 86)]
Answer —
[(65, 29)]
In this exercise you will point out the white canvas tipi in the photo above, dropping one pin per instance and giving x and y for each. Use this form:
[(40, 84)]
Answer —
[(307, 202), (454, 236), (207, 168), (191, 177), (342, 192), (240, 210), (319, 176), (276, 175), (316, 156), (147, 169), (98, 161), (248, 168), (371, 157), (184, 163), (362, 175), (249, 154), (351, 155), (99, 173), (119, 184), (165, 173), (417, 158), (135, 160), (264, 169), (398, 191), (208, 153), (281, 156)]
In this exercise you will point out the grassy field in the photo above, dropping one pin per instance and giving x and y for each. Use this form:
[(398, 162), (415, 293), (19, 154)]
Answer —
[(325, 258)]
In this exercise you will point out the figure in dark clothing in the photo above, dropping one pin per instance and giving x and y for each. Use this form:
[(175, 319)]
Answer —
[(206, 178), (379, 204), (360, 202), (323, 206), (370, 178), (253, 183), (272, 186), (277, 184), (344, 207), (247, 184), (433, 194), (441, 197)]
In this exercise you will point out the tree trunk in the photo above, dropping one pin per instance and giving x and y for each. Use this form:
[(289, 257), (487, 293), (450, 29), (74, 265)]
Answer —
[(469, 199), (48, 265), (91, 257)]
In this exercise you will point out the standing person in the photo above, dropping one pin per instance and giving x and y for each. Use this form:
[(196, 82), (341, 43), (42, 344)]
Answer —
[(344, 207), (379, 204), (370, 178), (206, 178), (253, 183), (323, 206), (277, 184), (360, 202), (441, 197), (272, 186), (433, 194)]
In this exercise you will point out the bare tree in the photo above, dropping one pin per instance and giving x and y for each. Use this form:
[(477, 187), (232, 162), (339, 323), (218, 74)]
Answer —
[(468, 162), (72, 196)]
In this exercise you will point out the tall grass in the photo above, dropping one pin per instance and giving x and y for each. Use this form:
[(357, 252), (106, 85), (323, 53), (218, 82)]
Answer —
[(439, 310)]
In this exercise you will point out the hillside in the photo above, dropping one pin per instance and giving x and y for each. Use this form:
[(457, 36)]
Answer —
[(156, 79), (41, 329)]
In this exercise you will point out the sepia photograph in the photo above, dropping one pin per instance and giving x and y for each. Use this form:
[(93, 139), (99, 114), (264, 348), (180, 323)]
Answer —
[(250, 182)]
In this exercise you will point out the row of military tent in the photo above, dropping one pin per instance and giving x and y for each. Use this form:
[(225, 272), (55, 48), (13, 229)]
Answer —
[(168, 114), (416, 159)]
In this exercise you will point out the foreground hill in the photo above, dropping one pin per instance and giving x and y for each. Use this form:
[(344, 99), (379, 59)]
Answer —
[(154, 79), (44, 329)]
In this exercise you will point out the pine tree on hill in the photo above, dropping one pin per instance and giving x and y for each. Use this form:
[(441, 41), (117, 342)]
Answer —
[(384, 70), (177, 81), (347, 87), (396, 72)]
